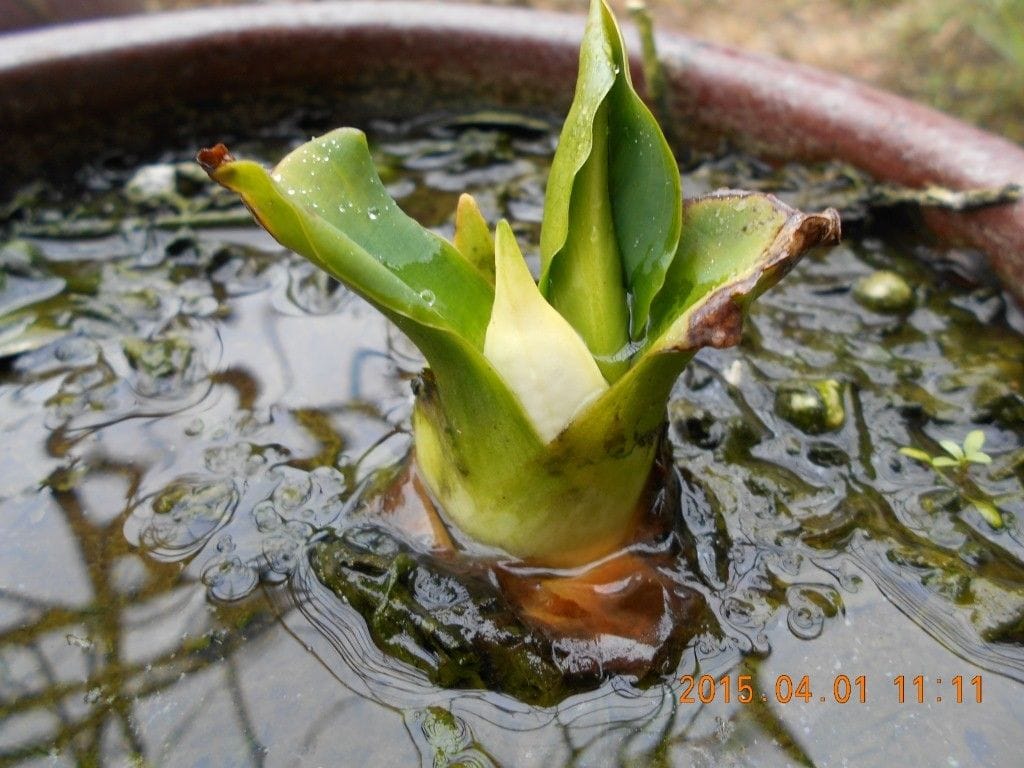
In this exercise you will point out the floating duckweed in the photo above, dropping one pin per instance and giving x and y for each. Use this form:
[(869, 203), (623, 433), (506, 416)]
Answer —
[(293, 493), (884, 291), (266, 517), (813, 406), (284, 549)]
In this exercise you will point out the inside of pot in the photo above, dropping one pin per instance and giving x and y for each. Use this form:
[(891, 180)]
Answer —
[(193, 413)]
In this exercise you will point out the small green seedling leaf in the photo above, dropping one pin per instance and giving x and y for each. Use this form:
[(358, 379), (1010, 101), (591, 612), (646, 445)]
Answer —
[(970, 453), (952, 449), (988, 511), (918, 454), (972, 448), (974, 441)]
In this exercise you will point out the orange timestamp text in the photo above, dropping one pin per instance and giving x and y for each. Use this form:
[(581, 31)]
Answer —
[(840, 689)]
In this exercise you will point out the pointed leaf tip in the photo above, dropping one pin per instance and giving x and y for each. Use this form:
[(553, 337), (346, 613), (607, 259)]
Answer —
[(472, 236), (535, 350), (612, 209), (989, 512), (916, 453)]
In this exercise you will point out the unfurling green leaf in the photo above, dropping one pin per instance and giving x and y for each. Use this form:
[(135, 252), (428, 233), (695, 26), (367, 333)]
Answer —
[(612, 212), (326, 202), (532, 346), (735, 244)]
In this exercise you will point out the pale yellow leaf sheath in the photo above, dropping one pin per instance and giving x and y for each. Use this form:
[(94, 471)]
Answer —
[(534, 349)]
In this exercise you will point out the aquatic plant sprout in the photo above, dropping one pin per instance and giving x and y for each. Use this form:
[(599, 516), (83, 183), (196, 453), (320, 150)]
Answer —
[(538, 419), (960, 458)]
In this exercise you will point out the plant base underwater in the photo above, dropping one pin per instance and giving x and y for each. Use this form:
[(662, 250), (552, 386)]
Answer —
[(540, 501), (539, 635)]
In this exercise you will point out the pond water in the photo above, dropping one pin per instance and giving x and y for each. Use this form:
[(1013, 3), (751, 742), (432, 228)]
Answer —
[(186, 408)]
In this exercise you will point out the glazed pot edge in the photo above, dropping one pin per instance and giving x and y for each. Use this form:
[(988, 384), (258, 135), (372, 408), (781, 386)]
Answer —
[(518, 57)]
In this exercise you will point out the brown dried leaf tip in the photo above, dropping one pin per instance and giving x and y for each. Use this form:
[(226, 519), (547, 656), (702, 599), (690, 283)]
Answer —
[(213, 158)]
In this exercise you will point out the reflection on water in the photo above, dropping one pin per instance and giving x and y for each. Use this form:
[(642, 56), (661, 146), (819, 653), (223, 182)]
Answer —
[(191, 408)]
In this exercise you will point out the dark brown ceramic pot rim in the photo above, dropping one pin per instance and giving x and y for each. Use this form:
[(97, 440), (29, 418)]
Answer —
[(61, 84)]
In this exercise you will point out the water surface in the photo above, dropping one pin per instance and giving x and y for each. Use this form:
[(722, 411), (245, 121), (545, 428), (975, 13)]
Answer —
[(185, 407)]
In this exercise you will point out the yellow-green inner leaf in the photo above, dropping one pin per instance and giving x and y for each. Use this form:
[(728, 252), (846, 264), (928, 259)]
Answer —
[(538, 354), (472, 236)]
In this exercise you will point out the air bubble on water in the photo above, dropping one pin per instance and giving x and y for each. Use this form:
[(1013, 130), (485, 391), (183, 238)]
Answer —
[(282, 552), (228, 459), (229, 579), (78, 642), (266, 516), (293, 493), (185, 514), (254, 462)]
